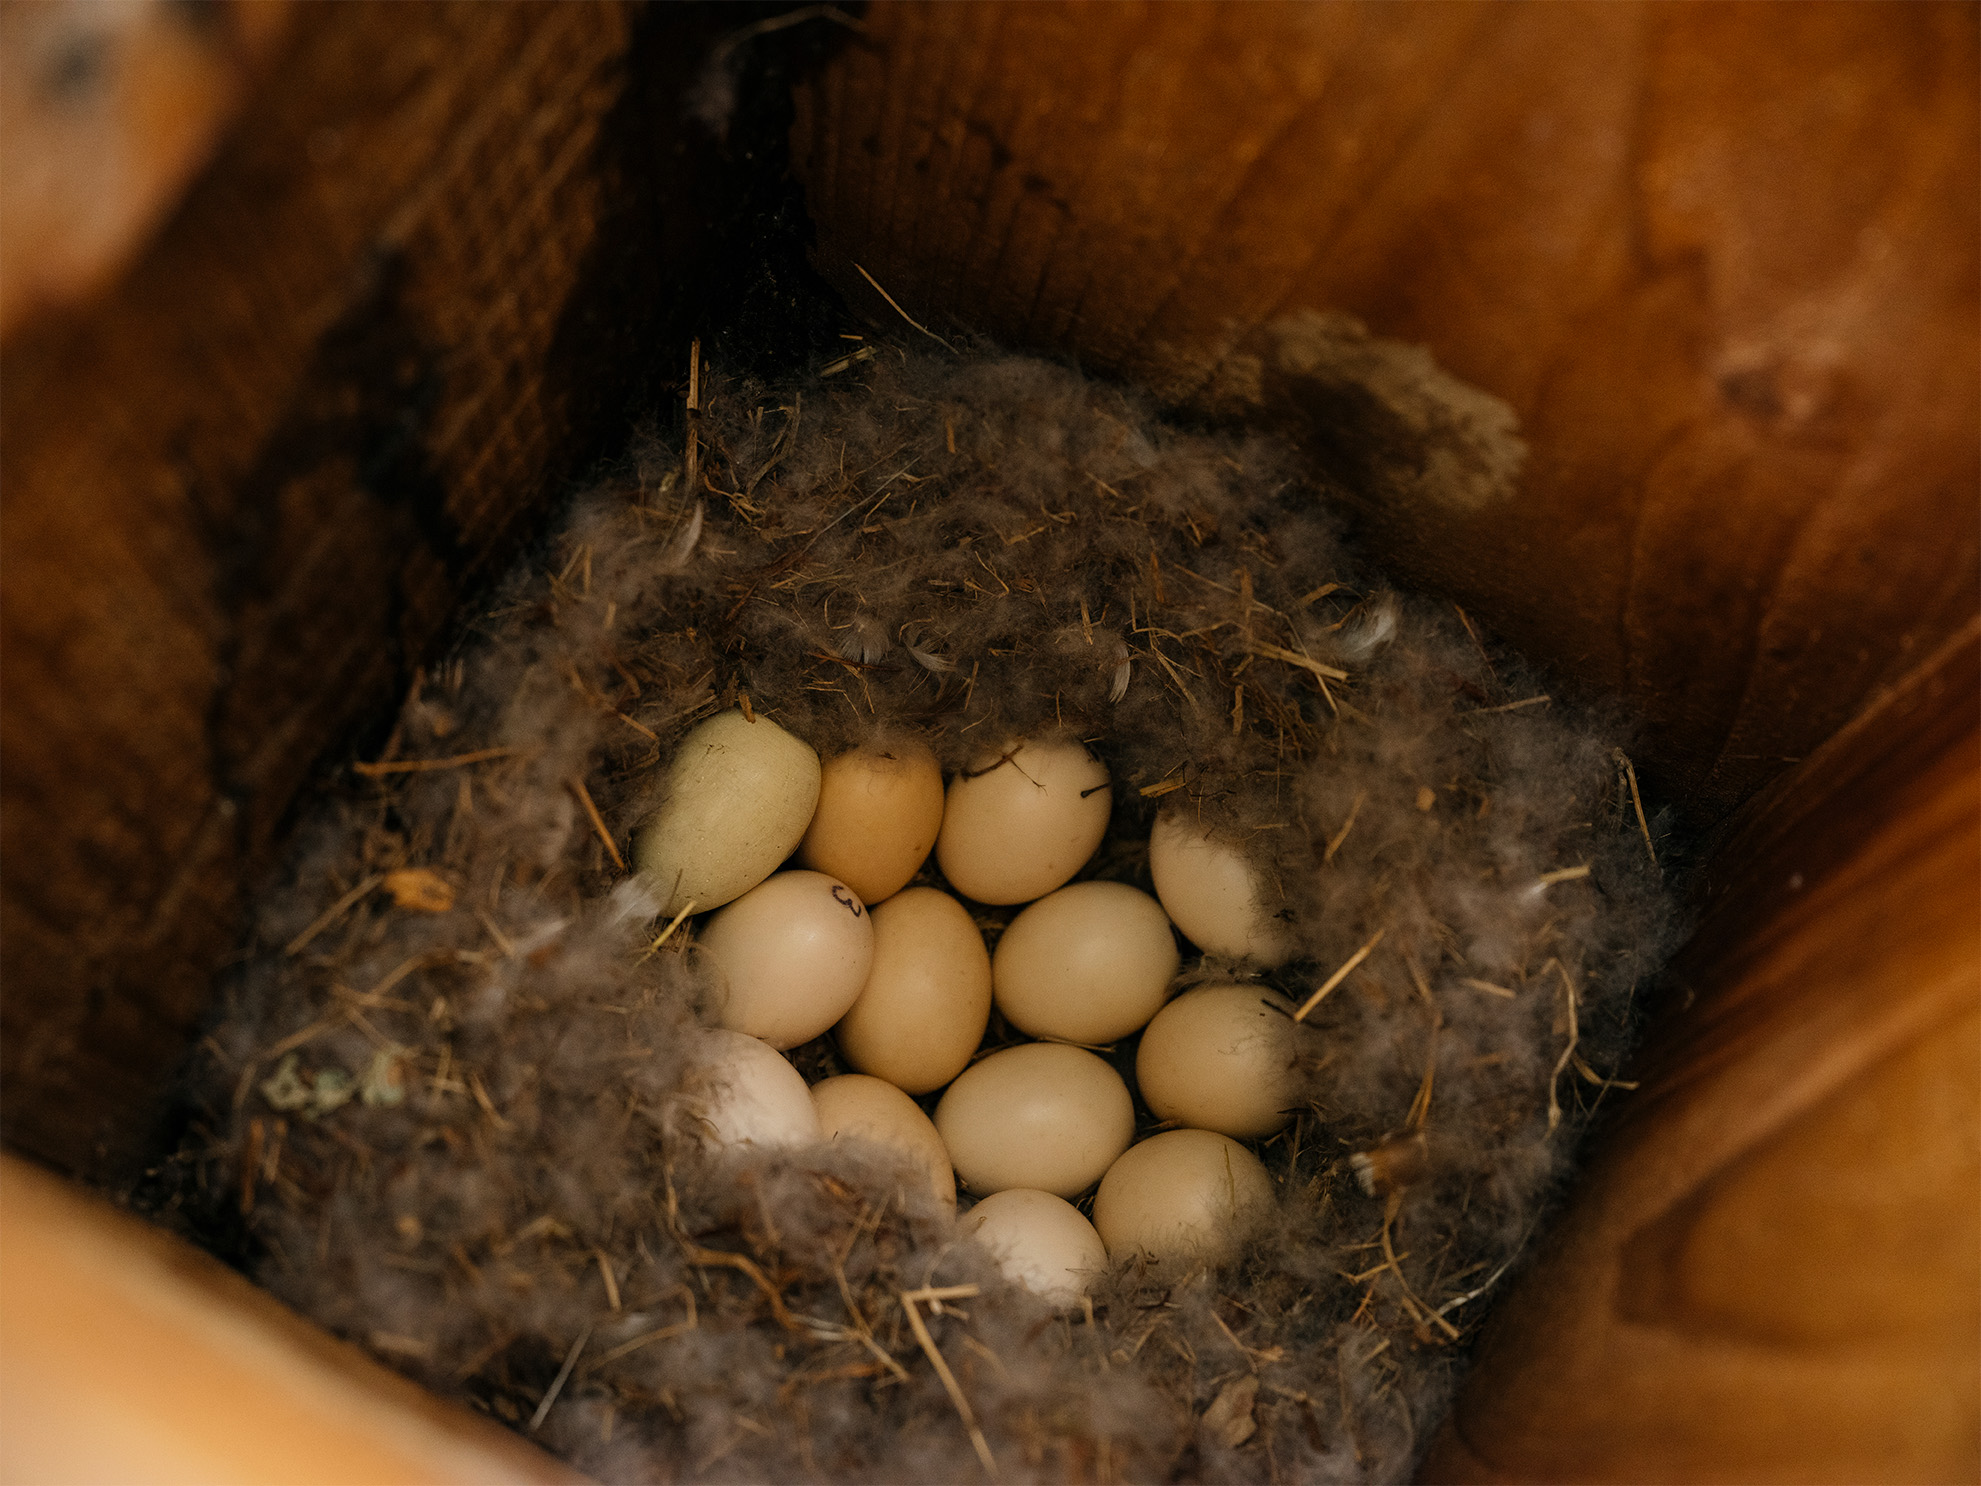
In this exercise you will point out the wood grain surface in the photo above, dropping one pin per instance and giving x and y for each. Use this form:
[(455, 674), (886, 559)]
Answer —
[(1721, 260), (127, 1355), (243, 495), (1771, 1270)]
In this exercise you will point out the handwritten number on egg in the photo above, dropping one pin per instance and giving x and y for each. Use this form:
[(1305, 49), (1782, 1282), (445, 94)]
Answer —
[(852, 903)]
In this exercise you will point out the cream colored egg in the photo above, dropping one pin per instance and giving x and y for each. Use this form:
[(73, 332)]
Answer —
[(856, 1106), (1038, 1115), (739, 796), (927, 999), (878, 813), (753, 1095), (1022, 821), (1090, 963), (1220, 1057), (1183, 1192), (790, 956), (1039, 1241), (1213, 892)]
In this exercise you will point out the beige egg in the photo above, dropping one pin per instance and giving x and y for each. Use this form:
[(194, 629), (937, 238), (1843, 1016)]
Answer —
[(739, 796), (878, 813), (1038, 1115), (754, 1096), (856, 1106), (1213, 892), (790, 956), (927, 999), (1022, 821), (1220, 1057), (1039, 1241), (1090, 963), (1183, 1192)]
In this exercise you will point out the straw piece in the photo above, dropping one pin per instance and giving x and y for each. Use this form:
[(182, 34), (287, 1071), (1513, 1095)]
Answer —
[(1636, 801), (557, 1383), (426, 765), (598, 822), (901, 312), (1295, 658), (1338, 977), (935, 1297), (331, 914)]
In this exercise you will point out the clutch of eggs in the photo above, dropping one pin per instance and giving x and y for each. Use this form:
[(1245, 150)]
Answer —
[(839, 941)]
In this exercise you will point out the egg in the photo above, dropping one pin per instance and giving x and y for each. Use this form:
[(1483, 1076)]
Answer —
[(1183, 1192), (791, 955), (927, 999), (878, 813), (1039, 1241), (1220, 1057), (854, 1105), (1213, 892), (1022, 821), (1089, 963), (1038, 1115), (739, 796), (754, 1096)]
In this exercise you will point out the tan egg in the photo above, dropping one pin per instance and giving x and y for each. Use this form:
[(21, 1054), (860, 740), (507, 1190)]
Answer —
[(1213, 892), (739, 796), (754, 1096), (1090, 963), (1220, 1057), (1039, 1241), (790, 956), (1022, 821), (854, 1105), (878, 813), (1183, 1192), (1038, 1115), (927, 999)]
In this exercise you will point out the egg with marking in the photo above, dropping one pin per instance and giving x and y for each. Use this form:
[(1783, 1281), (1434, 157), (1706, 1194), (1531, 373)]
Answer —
[(789, 956), (879, 810)]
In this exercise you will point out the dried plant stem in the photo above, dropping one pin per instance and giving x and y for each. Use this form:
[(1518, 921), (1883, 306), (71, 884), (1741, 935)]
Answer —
[(901, 312), (691, 453), (1567, 1053), (1636, 800), (331, 914), (598, 822), (751, 1271), (668, 932), (935, 1297), (426, 765), (1338, 977), (1419, 1312), (1334, 843), (557, 1383), (1564, 874), (1295, 658)]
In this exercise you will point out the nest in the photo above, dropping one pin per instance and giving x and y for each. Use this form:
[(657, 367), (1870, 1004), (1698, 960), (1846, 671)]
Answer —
[(446, 1095)]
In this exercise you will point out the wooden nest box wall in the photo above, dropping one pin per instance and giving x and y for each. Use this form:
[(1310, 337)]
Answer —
[(313, 314)]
